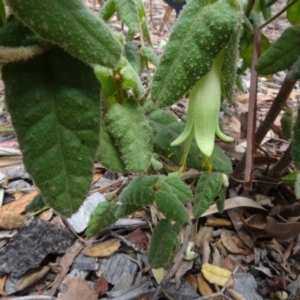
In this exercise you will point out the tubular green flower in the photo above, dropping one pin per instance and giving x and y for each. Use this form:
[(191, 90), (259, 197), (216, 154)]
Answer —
[(203, 113)]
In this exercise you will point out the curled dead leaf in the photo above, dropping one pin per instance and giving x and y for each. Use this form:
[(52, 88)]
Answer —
[(31, 277), (282, 231), (11, 220), (255, 223)]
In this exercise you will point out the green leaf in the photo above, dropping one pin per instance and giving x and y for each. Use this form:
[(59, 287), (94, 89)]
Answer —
[(246, 53), (221, 199), (36, 204), (290, 179), (125, 210), (128, 14), (53, 100), (132, 133), (296, 141), (2, 14), (293, 13), (167, 129), (229, 67), (108, 153), (297, 187), (171, 207), (71, 25), (131, 53), (150, 55), (18, 42), (146, 31), (107, 10), (202, 30), (294, 73), (106, 77), (208, 188), (265, 9), (101, 217), (140, 191), (179, 188), (130, 78), (164, 245), (282, 54)]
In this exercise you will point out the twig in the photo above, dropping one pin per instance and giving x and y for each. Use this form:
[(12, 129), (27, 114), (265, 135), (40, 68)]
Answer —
[(252, 112), (34, 297), (104, 188), (127, 243), (278, 14), (8, 130), (277, 105)]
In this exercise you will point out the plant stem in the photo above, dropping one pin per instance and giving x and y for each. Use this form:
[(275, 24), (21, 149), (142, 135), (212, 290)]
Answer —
[(278, 14), (278, 104), (249, 7)]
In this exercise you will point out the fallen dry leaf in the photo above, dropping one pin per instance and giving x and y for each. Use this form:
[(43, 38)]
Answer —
[(217, 275), (158, 274), (226, 238), (101, 286), (11, 220), (218, 222), (204, 234), (103, 249), (78, 289), (31, 277), (2, 284), (203, 286), (234, 202), (281, 231), (138, 238), (235, 295), (255, 223), (19, 205), (192, 280)]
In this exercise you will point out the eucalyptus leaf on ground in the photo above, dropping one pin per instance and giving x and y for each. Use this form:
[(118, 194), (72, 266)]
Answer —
[(53, 100), (101, 217), (208, 188), (164, 244), (70, 25)]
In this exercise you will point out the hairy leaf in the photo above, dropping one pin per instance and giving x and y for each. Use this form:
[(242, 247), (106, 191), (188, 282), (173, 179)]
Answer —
[(208, 188), (293, 13), (107, 10), (18, 42), (164, 245), (150, 54), (167, 129), (101, 217), (105, 76), (128, 14), (140, 191), (53, 100), (70, 24), (294, 73), (202, 30), (171, 207), (282, 54), (132, 134), (179, 188), (131, 53), (296, 141), (125, 210), (108, 153)]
